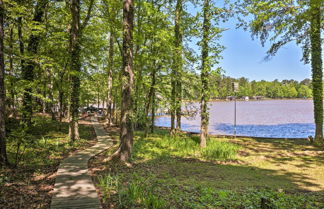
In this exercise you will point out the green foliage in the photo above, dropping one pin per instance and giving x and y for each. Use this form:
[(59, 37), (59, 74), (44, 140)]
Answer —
[(219, 150)]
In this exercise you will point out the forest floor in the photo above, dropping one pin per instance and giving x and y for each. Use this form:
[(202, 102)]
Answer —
[(29, 183), (171, 172)]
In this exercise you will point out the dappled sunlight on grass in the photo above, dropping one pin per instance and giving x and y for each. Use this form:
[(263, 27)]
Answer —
[(286, 157), (178, 174)]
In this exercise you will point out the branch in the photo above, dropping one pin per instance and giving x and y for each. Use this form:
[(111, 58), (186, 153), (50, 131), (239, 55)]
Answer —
[(86, 20), (119, 46)]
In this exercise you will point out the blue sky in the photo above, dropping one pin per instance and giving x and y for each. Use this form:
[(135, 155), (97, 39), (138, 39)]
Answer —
[(244, 57)]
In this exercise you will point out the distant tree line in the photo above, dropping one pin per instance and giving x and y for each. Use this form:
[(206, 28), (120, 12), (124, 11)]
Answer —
[(222, 87)]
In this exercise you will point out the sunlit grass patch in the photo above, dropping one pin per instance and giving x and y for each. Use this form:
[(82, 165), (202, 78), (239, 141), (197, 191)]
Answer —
[(142, 189), (229, 173), (161, 144)]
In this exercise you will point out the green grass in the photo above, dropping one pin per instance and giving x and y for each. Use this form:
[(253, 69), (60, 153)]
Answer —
[(161, 144), (174, 172)]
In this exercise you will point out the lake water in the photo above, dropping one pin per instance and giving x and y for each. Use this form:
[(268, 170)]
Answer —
[(267, 118)]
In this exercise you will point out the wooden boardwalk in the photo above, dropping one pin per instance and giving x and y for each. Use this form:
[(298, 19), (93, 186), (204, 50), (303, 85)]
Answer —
[(73, 185)]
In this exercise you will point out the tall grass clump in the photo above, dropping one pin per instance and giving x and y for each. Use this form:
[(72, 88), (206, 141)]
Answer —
[(136, 196), (161, 144), (219, 150), (108, 184)]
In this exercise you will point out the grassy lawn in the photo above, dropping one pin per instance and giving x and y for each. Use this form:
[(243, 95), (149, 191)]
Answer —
[(230, 173), (27, 184)]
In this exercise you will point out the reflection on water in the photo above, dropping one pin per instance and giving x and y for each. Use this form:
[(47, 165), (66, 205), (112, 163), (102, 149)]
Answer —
[(269, 118)]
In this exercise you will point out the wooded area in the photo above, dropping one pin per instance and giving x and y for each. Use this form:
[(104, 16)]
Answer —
[(133, 58)]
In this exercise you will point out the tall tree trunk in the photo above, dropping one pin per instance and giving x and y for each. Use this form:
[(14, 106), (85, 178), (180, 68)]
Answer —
[(126, 127), (21, 43), (176, 84), (11, 71), (3, 150), (114, 112), (109, 81), (153, 104), (205, 71), (28, 68), (61, 96), (75, 70), (149, 103), (317, 73), (173, 101), (43, 102)]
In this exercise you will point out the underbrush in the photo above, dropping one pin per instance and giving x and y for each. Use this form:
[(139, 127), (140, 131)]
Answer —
[(43, 143), (161, 144)]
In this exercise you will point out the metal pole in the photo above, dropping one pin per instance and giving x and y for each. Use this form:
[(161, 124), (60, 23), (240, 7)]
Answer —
[(235, 116)]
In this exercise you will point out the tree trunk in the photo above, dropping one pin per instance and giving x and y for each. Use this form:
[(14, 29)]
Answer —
[(176, 85), (3, 150), (126, 127), (28, 68), (153, 106), (11, 71), (61, 96), (317, 73), (75, 70), (205, 71), (21, 43), (149, 103), (109, 81)]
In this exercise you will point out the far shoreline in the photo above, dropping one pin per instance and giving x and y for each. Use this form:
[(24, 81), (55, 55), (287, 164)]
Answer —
[(250, 100)]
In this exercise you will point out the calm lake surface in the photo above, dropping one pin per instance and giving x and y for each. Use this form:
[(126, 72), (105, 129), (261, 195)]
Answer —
[(268, 118)]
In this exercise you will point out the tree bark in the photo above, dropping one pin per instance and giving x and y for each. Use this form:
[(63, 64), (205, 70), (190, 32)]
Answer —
[(126, 127), (11, 71), (316, 63), (149, 104), (61, 95), (75, 67), (205, 71), (3, 150), (176, 83), (28, 68), (153, 102), (109, 81)]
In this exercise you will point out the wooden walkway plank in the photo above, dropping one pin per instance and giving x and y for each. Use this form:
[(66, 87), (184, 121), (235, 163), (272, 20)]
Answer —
[(73, 185)]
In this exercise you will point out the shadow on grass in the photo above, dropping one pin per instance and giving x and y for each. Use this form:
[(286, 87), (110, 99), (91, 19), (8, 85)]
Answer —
[(181, 180), (281, 151)]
